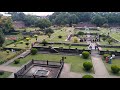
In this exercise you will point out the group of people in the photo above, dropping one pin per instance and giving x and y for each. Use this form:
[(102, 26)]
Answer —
[(109, 59), (94, 40), (96, 47)]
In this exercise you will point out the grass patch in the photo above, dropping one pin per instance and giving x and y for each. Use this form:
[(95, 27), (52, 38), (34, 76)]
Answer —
[(114, 62), (4, 55), (5, 75), (75, 61)]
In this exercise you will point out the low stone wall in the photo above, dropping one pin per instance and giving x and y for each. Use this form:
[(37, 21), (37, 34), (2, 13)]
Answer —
[(76, 51), (72, 44), (108, 46), (109, 52)]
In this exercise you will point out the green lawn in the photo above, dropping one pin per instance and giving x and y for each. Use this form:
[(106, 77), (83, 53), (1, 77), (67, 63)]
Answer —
[(114, 62), (75, 61), (23, 46), (5, 75), (106, 43)]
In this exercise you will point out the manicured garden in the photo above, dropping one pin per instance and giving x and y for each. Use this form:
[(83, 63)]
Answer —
[(75, 61), (108, 66), (5, 56)]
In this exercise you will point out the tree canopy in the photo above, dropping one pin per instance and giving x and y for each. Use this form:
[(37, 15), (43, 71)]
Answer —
[(2, 38), (98, 18)]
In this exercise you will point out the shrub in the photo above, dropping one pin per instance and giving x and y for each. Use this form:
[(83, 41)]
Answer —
[(59, 36), (27, 39), (80, 33), (110, 40), (8, 51), (115, 69), (1, 62), (16, 61), (1, 72), (87, 65), (103, 35), (34, 51), (75, 40), (44, 42), (85, 54), (49, 30), (104, 38), (21, 42), (87, 76), (27, 43), (105, 55)]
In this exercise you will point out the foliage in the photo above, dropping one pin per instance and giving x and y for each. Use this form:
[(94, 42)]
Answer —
[(99, 20), (87, 76), (80, 33), (48, 30), (1, 72), (75, 39), (115, 69), (2, 38), (21, 42), (87, 66), (85, 54), (27, 39), (7, 51), (43, 23), (27, 43), (105, 55), (59, 36), (16, 61), (44, 42), (104, 38), (34, 51), (110, 40), (6, 24)]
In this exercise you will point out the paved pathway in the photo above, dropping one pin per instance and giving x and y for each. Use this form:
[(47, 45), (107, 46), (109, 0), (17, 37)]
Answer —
[(66, 73), (98, 65), (9, 68)]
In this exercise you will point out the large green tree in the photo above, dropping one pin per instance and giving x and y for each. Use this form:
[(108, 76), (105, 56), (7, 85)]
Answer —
[(99, 20), (43, 23), (6, 24), (2, 38)]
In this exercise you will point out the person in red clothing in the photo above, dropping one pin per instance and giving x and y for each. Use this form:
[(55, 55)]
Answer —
[(107, 59)]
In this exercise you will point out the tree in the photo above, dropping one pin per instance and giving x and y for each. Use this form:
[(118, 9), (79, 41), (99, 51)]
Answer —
[(44, 42), (48, 31), (2, 38), (6, 24), (36, 36), (43, 23), (27, 43), (110, 40), (8, 51), (49, 35), (99, 20)]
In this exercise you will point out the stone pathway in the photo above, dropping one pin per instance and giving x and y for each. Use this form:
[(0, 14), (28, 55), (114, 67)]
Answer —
[(66, 73), (9, 68), (99, 67)]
